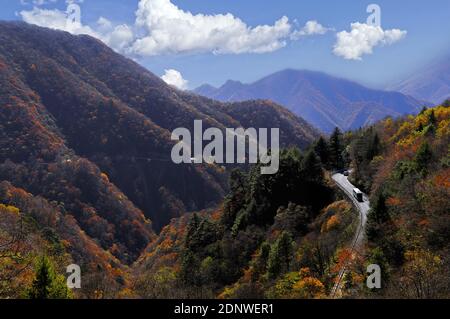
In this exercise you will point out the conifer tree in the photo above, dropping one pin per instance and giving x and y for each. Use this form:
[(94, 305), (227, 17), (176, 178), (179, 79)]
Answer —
[(432, 118), (322, 150), (378, 215), (280, 255), (260, 264), (312, 167), (47, 284), (423, 158), (336, 149)]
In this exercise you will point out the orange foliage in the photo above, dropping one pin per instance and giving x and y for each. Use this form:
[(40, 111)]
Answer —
[(393, 201), (248, 272), (216, 215), (166, 244), (344, 256), (105, 177), (443, 179), (332, 223), (424, 222)]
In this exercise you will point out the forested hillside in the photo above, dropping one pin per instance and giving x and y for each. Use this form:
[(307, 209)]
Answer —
[(85, 143), (405, 165), (288, 235), (275, 237)]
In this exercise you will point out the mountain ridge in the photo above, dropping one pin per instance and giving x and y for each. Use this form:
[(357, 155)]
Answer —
[(324, 101), (89, 130)]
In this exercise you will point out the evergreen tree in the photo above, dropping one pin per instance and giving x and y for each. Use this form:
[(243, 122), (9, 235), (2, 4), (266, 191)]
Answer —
[(47, 284), (420, 127), (280, 255), (236, 199), (336, 149), (260, 264), (432, 122), (286, 249), (321, 149), (378, 215), (312, 168), (193, 226), (274, 264), (293, 219), (374, 147), (423, 158), (377, 256), (432, 118), (189, 272)]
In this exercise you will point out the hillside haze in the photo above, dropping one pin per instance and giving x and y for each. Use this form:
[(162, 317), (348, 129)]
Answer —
[(89, 130), (324, 101), (431, 83)]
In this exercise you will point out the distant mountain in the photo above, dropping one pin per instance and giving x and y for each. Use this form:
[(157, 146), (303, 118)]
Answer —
[(324, 101), (206, 90), (89, 131), (430, 84)]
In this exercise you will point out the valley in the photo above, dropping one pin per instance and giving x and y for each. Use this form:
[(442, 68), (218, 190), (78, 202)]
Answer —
[(87, 178)]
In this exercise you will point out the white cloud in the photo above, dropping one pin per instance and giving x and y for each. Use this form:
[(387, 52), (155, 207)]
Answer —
[(163, 28), (174, 78), (56, 19), (104, 24), (118, 37), (311, 28), (172, 30), (362, 39)]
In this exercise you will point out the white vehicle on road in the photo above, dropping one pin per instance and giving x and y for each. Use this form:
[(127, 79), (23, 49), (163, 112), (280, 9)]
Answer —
[(358, 195)]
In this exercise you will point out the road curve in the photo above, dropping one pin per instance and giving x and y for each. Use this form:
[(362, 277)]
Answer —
[(363, 208)]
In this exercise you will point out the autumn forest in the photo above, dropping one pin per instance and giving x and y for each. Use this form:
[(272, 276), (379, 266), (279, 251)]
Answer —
[(86, 178)]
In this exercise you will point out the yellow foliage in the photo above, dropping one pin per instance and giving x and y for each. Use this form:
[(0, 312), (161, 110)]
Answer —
[(407, 133), (442, 113), (377, 160), (443, 128), (9, 209), (388, 123), (422, 258), (228, 292), (309, 287), (126, 293)]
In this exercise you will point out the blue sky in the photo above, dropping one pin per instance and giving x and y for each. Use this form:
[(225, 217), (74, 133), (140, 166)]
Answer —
[(427, 24)]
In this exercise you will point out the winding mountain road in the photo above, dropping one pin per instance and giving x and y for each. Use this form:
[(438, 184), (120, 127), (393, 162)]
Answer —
[(363, 208)]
